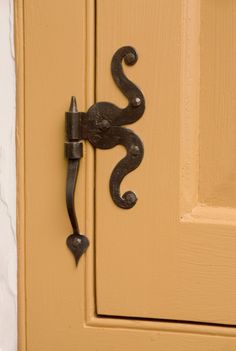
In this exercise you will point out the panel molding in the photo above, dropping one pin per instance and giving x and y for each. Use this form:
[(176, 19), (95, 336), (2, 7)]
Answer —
[(163, 326), (207, 214), (191, 210), (189, 105)]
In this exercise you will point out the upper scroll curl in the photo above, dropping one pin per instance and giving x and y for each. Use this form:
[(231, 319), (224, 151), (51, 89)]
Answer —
[(136, 106)]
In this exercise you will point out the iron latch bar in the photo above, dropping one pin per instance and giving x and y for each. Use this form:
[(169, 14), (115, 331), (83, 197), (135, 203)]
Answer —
[(102, 125)]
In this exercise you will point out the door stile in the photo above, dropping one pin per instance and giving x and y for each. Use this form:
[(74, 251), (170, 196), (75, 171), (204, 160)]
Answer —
[(90, 168)]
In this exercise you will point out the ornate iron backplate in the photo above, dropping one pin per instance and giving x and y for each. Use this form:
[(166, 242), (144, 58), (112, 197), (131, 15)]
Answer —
[(102, 125)]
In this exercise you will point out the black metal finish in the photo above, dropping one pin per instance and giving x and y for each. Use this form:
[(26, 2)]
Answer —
[(102, 127), (76, 242)]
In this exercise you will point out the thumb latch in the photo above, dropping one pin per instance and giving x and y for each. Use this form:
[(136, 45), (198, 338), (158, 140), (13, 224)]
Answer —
[(102, 125)]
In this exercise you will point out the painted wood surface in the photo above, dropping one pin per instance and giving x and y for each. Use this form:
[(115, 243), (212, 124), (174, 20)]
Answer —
[(59, 302), (154, 261)]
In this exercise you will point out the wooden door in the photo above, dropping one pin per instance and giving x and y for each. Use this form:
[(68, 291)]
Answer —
[(162, 275)]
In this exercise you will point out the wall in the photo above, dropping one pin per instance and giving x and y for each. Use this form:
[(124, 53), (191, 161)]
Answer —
[(8, 291)]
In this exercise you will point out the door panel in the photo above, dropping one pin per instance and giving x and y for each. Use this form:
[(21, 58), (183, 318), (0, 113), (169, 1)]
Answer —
[(173, 255), (59, 302), (217, 166)]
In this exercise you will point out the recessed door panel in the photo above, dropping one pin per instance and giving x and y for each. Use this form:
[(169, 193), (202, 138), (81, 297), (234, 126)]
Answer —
[(173, 255)]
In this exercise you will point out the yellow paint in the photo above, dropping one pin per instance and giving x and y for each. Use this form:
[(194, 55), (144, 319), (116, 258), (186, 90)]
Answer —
[(167, 257)]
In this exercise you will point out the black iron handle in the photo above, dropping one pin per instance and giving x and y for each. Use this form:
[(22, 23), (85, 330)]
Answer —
[(101, 125), (76, 242)]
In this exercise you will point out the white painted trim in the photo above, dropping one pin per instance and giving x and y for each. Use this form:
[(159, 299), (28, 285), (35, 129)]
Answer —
[(8, 256)]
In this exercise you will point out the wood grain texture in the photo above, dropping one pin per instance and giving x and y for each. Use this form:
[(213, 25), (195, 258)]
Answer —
[(55, 39), (58, 299), (189, 106), (217, 183), (132, 253), (150, 263)]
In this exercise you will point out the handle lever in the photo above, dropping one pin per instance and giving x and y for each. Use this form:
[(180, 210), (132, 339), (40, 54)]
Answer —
[(76, 242)]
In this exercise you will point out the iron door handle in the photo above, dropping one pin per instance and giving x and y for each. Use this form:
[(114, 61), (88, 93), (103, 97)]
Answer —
[(101, 125)]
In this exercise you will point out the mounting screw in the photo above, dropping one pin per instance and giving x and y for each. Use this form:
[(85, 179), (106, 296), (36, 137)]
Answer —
[(134, 150), (76, 242), (131, 197), (136, 101), (130, 58)]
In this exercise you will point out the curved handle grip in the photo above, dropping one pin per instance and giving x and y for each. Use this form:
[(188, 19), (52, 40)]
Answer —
[(76, 242)]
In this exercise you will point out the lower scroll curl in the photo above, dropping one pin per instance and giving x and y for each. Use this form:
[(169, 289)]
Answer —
[(130, 162)]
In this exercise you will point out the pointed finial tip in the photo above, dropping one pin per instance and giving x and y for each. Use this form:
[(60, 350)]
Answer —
[(73, 104)]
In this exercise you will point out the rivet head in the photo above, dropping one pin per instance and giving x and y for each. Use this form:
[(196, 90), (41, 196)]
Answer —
[(76, 242), (131, 198), (136, 102), (130, 58), (134, 150), (104, 124)]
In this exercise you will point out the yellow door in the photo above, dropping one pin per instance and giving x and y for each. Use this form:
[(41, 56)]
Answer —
[(161, 275)]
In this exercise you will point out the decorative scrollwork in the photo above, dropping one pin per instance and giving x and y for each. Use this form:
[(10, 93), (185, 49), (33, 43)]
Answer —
[(105, 120)]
